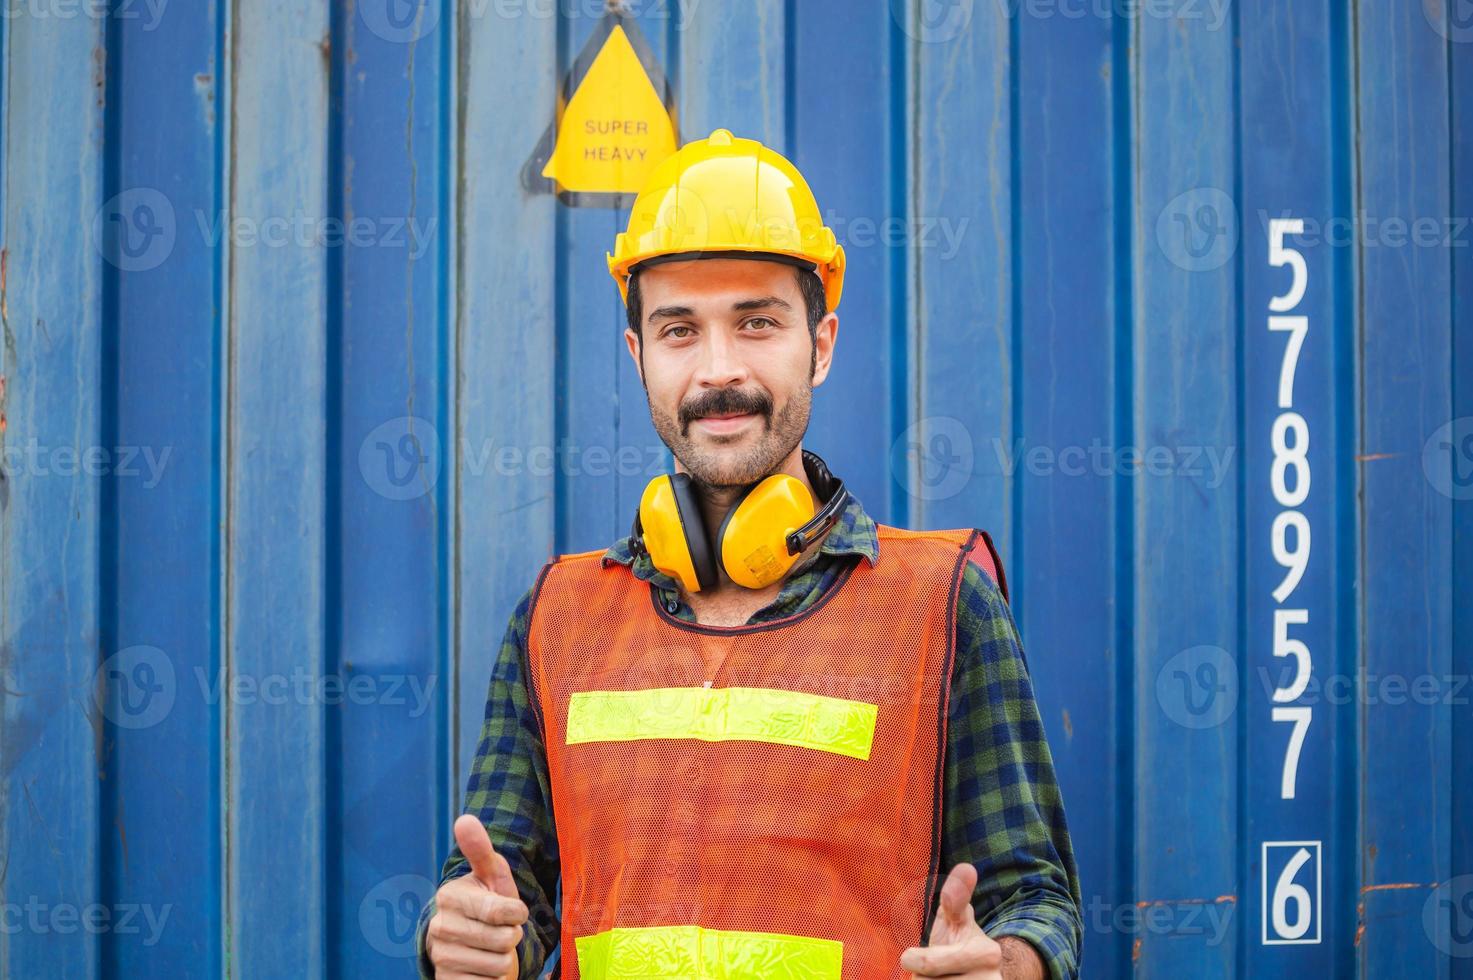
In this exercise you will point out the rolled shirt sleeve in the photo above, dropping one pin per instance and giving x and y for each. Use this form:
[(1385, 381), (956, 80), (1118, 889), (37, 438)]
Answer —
[(508, 790), (1002, 808)]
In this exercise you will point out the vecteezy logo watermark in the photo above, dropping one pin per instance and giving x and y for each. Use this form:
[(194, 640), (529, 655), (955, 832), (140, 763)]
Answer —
[(302, 230), (1362, 687), (35, 460), (566, 458), (935, 21), (137, 688), (1186, 917), (400, 459), (1198, 230), (1367, 230), (42, 918), (135, 229), (303, 687), (689, 218), (134, 687), (388, 916), (1212, 12), (1447, 917), (680, 11), (1447, 459), (1198, 688), (1100, 459), (400, 21), (1453, 19), (149, 11), (1183, 12), (932, 459)]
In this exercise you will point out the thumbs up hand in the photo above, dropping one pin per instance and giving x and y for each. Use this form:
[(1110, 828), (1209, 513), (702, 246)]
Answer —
[(958, 947), (478, 917)]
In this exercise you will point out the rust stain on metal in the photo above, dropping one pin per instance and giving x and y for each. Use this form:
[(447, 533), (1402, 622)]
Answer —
[(99, 73), (1068, 725), (1360, 907), (1135, 950), (1187, 901), (1368, 457), (204, 91)]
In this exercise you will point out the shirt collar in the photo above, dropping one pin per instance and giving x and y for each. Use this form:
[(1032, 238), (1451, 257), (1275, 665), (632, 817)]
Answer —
[(852, 534)]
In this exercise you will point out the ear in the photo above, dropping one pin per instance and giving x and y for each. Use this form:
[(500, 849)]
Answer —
[(824, 339), (636, 349)]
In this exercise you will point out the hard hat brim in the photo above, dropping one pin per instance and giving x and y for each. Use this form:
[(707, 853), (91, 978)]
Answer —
[(793, 260)]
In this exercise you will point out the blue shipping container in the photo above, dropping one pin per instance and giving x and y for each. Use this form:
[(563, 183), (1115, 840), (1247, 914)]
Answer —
[(301, 384)]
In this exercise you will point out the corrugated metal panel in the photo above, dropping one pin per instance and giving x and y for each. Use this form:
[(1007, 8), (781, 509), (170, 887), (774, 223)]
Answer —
[(301, 387)]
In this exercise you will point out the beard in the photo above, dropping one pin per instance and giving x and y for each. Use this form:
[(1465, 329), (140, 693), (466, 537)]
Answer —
[(715, 469)]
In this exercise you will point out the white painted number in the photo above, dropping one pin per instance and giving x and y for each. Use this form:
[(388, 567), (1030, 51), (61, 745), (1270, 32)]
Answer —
[(1289, 539), (1278, 255), (1297, 326), (1300, 716), (1292, 914), (1295, 560), (1288, 890), (1287, 457), (1286, 646)]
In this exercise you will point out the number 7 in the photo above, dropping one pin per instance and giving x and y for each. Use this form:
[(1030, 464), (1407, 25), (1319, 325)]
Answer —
[(1300, 716), (1297, 326)]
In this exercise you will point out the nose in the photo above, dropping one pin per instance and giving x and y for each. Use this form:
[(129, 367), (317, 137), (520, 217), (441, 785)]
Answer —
[(721, 365)]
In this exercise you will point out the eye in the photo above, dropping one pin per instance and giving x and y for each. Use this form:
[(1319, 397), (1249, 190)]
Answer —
[(760, 323), (675, 332)]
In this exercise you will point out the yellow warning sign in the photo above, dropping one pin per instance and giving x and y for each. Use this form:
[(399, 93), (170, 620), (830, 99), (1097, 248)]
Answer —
[(615, 128), (616, 123)]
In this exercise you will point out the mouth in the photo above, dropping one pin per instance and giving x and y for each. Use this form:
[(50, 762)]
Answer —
[(723, 424)]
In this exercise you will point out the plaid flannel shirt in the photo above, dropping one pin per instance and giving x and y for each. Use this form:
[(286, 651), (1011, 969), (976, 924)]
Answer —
[(1001, 808)]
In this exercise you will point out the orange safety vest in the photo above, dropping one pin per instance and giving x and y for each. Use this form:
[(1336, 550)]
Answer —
[(760, 801)]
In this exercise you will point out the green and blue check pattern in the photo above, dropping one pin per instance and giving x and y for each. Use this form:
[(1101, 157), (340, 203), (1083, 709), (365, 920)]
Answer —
[(1001, 810)]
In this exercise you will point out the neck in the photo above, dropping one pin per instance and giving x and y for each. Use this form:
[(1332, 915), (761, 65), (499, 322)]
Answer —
[(717, 502)]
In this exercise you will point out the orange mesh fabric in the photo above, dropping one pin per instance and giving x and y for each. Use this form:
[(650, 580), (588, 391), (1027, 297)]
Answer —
[(736, 833)]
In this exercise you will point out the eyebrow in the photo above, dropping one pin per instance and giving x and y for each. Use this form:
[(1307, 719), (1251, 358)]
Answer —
[(761, 303), (669, 311)]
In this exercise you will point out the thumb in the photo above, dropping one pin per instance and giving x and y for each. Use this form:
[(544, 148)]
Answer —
[(956, 898), (487, 866)]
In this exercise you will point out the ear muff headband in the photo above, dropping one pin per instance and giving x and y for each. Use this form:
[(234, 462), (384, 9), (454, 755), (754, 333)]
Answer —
[(697, 541), (760, 538), (669, 528)]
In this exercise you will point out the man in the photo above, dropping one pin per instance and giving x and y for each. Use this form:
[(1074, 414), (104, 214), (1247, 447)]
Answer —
[(683, 776)]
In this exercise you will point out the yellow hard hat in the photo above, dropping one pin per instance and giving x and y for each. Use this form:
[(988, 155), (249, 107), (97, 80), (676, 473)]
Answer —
[(723, 194)]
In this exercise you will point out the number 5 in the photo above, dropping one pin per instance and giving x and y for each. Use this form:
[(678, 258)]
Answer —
[(1278, 255)]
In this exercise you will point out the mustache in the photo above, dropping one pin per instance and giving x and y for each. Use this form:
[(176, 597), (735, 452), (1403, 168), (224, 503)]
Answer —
[(725, 401)]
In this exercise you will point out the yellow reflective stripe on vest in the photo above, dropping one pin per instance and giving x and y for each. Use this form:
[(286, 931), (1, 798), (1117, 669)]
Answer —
[(694, 953), (755, 714)]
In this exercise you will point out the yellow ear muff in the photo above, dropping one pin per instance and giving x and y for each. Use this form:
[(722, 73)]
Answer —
[(674, 534), (752, 542)]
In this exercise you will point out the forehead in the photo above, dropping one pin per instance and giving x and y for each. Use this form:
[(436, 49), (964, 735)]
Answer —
[(718, 281)]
